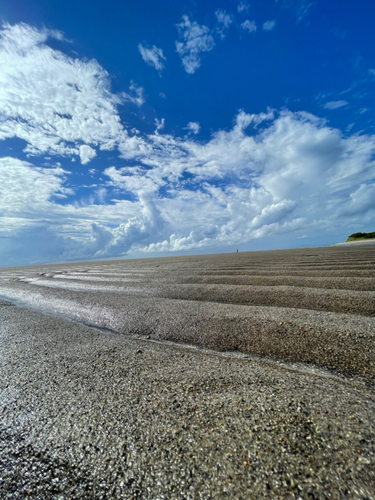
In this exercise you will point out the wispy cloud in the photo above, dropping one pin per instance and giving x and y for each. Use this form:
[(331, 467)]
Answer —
[(335, 104), (340, 33), (243, 7), (250, 26), (269, 25), (159, 124), (153, 57), (195, 40), (20, 202), (136, 94), (225, 20), (301, 8)]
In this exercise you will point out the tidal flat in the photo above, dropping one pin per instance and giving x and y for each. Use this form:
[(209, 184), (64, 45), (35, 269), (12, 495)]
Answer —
[(244, 375)]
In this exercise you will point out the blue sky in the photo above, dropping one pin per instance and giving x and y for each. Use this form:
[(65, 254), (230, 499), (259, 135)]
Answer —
[(136, 129)]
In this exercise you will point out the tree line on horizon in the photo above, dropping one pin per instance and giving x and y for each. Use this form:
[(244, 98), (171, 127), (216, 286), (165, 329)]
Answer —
[(361, 236)]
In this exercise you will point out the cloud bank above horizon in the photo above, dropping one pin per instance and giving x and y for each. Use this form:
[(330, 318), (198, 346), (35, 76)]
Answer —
[(85, 184)]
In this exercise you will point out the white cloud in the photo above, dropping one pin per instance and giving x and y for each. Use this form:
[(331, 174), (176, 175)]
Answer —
[(295, 166), (269, 25), (194, 127), (39, 186), (335, 104), (243, 7), (136, 96), (153, 57), (135, 180), (249, 25), (86, 154), (36, 227), (271, 174), (360, 201), (301, 8), (225, 20), (159, 124), (195, 40), (52, 101)]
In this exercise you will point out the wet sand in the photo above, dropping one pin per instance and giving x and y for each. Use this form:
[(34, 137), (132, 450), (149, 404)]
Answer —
[(277, 401)]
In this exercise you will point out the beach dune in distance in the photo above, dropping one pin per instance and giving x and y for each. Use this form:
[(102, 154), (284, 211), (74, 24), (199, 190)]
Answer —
[(241, 375)]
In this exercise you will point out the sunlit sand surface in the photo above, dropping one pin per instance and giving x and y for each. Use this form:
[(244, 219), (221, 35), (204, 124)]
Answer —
[(246, 375)]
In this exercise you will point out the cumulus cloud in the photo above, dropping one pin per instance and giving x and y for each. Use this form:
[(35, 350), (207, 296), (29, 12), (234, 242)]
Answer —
[(295, 165), (112, 242), (269, 25), (35, 226), (86, 153), (194, 127), (249, 25), (54, 102), (195, 39), (153, 57), (335, 104), (270, 174)]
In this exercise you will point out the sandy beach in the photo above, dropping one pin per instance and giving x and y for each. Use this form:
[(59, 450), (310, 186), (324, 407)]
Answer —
[(245, 375)]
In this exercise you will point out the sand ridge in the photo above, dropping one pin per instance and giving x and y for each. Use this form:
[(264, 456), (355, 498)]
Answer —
[(218, 376), (312, 305)]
